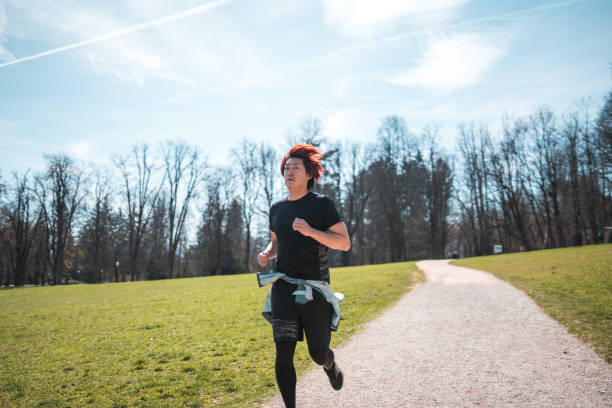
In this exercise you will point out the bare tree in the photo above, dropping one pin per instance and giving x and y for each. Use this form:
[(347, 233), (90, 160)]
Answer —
[(332, 181), (60, 193), (549, 169), (506, 166), (310, 131), (590, 172), (4, 226), (439, 189), (5, 275), (571, 133), (119, 238), (24, 223), (212, 253), (232, 239), (267, 174), (357, 192), (42, 251), (244, 157), (394, 174), (474, 194), (2, 190), (155, 242), (603, 146), (140, 195), (95, 236), (183, 173)]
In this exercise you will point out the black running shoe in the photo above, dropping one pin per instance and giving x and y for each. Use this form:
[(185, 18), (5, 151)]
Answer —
[(335, 376)]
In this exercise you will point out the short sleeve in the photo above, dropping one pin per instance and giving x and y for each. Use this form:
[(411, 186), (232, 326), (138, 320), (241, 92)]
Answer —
[(270, 220), (329, 213)]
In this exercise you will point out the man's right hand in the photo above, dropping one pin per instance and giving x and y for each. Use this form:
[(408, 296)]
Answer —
[(262, 258)]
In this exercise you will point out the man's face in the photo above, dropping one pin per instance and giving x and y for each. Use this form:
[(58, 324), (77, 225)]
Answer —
[(295, 173)]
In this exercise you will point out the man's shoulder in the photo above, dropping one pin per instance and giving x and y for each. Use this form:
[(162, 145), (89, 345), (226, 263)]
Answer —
[(312, 197), (278, 203), (322, 198)]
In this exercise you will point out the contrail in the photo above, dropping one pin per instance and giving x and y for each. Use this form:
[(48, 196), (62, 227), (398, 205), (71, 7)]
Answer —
[(159, 21), (479, 20)]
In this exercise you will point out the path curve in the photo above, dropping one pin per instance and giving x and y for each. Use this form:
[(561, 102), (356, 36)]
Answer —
[(462, 339)]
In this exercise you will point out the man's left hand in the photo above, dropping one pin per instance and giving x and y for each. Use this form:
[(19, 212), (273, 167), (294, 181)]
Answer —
[(302, 227)]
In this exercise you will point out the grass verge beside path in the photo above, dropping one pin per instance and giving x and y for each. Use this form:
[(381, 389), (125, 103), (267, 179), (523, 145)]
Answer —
[(573, 285), (196, 342)]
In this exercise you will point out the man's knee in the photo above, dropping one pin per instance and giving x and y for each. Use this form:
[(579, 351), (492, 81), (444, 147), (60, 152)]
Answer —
[(321, 356), (284, 353)]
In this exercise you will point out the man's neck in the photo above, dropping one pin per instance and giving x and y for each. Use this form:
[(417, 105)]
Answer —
[(296, 195)]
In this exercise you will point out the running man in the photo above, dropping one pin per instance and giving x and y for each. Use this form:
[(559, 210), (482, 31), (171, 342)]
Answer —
[(302, 227)]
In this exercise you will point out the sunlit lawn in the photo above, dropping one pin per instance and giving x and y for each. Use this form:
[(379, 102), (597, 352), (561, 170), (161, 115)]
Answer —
[(573, 285), (170, 343)]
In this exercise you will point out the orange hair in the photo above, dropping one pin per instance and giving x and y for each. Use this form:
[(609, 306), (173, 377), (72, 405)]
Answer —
[(310, 155)]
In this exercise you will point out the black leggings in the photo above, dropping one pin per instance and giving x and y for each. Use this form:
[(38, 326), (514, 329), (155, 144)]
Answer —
[(285, 371), (289, 321)]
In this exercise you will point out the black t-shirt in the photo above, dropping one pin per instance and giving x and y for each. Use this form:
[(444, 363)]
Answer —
[(300, 256)]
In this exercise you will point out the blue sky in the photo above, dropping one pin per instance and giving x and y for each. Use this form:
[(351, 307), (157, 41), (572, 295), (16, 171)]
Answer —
[(116, 73)]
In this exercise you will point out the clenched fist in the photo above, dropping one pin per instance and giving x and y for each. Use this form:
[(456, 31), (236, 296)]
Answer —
[(262, 258), (302, 227)]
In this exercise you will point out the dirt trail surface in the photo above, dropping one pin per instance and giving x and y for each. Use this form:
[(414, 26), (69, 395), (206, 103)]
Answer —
[(462, 339)]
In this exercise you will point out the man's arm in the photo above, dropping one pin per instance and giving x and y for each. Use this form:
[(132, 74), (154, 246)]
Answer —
[(336, 237), (270, 252)]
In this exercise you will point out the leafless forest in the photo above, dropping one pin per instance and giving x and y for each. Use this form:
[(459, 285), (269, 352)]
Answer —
[(540, 181)]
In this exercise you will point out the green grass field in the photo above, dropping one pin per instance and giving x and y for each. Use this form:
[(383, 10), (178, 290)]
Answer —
[(197, 342), (573, 285)]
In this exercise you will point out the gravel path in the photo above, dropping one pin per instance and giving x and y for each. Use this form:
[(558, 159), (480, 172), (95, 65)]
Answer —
[(461, 339)]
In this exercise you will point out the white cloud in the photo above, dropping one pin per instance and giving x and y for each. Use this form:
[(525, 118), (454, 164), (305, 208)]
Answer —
[(146, 59), (205, 51), (361, 16), (4, 53), (203, 8), (337, 123), (452, 63), (79, 150)]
